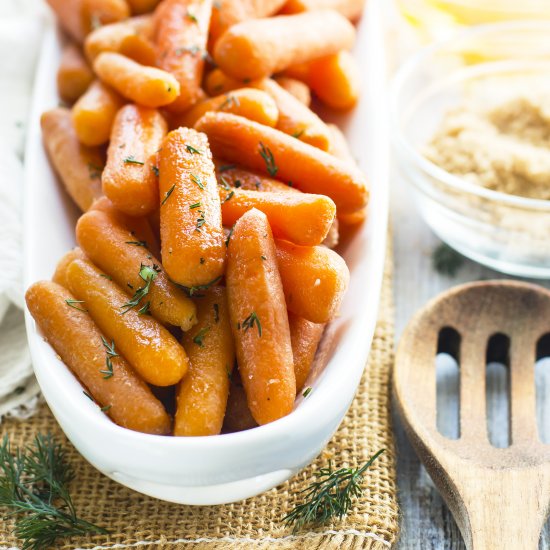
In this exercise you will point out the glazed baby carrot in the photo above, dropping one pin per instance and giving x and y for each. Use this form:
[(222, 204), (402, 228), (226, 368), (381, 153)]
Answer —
[(147, 86), (261, 47), (295, 118), (296, 87), (259, 320), (143, 341), (305, 337), (270, 151), (193, 247), (60, 274), (237, 416), (128, 180), (79, 167), (93, 114), (180, 34), (229, 176), (335, 80), (301, 218), (139, 226), (227, 13), (111, 38), (79, 17), (351, 9), (95, 360), (202, 395), (114, 250), (74, 74), (247, 102), (314, 280), (217, 82)]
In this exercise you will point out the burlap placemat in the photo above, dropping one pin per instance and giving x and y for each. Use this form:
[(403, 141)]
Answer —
[(135, 520)]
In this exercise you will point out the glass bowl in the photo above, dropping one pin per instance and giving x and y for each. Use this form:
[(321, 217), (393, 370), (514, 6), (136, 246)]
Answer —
[(505, 232)]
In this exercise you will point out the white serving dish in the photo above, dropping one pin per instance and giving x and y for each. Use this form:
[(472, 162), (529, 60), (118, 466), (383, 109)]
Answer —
[(230, 467)]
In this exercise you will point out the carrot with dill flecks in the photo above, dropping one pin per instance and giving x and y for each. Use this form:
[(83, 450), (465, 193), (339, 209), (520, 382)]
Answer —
[(259, 319), (230, 175), (147, 86), (260, 47), (192, 239), (78, 166), (272, 152), (247, 102), (202, 395), (74, 75), (95, 360), (180, 34), (301, 218), (314, 279), (93, 114), (143, 341), (120, 255), (128, 180)]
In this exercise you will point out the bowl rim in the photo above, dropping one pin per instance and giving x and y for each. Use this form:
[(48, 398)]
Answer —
[(397, 84)]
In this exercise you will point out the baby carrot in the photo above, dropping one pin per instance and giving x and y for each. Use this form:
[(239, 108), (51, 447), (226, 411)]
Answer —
[(351, 9), (79, 17), (259, 320), (261, 47), (301, 218), (247, 102), (60, 274), (113, 249), (229, 176), (296, 87), (74, 74), (111, 38), (193, 247), (305, 337), (217, 82), (129, 182), (237, 416), (95, 360), (147, 86), (295, 118), (180, 34), (93, 114), (202, 395), (335, 80), (314, 280), (139, 226), (229, 12), (79, 167), (143, 341), (255, 146)]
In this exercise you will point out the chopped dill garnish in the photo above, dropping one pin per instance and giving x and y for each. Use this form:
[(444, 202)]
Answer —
[(195, 290), (307, 391), (108, 277), (228, 197), (192, 150), (144, 310), (200, 221), (195, 205), (269, 160), (446, 261), (72, 303), (252, 320), (106, 408), (111, 352), (229, 235), (330, 495), (167, 195), (138, 243), (132, 160), (148, 274), (298, 134), (199, 338), (230, 99), (196, 180), (225, 184)]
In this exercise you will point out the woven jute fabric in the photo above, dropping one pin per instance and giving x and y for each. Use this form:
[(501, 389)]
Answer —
[(135, 520)]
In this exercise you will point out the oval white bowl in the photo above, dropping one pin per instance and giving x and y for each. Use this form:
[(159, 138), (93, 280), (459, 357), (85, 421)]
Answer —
[(230, 467)]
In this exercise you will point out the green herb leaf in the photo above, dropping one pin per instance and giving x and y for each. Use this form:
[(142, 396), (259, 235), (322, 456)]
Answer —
[(330, 495), (199, 338), (106, 408), (228, 197), (269, 160), (225, 184), (196, 205), (138, 243), (111, 352), (229, 235), (132, 160), (230, 99), (196, 180), (192, 150), (168, 193), (446, 261), (200, 221), (298, 134), (191, 16), (72, 303), (307, 391), (148, 274), (195, 290), (250, 321)]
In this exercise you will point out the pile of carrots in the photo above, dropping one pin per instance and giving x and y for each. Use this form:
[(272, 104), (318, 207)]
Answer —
[(212, 197)]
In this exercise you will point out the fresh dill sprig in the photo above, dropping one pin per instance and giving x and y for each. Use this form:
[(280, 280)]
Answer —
[(195, 205), (330, 495), (195, 290), (167, 195), (197, 181), (307, 391), (132, 160), (229, 235), (269, 160), (148, 274), (252, 320), (228, 197), (34, 488), (71, 303), (201, 220), (199, 337), (298, 134), (138, 243), (446, 261), (192, 150), (230, 99), (110, 353), (224, 183)]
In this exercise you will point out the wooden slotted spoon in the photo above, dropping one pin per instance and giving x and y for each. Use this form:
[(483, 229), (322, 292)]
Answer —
[(499, 497)]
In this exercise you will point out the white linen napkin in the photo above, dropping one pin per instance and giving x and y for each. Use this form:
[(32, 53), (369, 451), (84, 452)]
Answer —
[(21, 23)]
